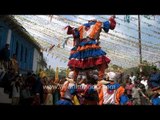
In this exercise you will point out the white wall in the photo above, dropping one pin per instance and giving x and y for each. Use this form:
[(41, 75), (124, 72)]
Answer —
[(9, 36), (36, 58)]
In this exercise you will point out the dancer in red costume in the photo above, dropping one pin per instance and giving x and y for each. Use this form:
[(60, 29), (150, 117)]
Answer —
[(87, 53)]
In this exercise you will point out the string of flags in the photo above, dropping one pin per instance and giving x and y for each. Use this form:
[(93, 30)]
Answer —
[(60, 42)]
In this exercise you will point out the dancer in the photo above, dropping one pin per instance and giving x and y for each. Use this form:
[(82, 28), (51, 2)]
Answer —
[(87, 53), (109, 92)]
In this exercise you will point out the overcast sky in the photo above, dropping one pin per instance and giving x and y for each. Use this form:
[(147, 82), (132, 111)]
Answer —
[(121, 51)]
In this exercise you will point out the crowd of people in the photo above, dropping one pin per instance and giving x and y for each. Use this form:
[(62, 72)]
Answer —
[(115, 88)]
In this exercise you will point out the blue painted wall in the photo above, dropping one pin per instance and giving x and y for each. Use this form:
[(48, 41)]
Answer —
[(3, 34), (18, 45)]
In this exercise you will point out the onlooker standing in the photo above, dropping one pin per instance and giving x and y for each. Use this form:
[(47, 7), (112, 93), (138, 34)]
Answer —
[(132, 77), (144, 81), (136, 95), (14, 64), (15, 91), (128, 88), (154, 80)]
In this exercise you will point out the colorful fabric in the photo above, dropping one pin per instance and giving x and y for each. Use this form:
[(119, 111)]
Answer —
[(75, 100), (110, 94), (128, 88), (64, 102), (91, 30), (49, 95), (87, 53), (68, 90), (155, 101), (124, 99)]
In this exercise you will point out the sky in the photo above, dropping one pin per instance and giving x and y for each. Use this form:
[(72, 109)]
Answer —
[(121, 44)]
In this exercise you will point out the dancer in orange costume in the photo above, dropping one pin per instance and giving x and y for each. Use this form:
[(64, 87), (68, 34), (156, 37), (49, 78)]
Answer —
[(87, 53), (109, 92)]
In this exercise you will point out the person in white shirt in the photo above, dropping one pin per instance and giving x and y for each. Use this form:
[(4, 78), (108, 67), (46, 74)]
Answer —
[(132, 77), (144, 81), (67, 91)]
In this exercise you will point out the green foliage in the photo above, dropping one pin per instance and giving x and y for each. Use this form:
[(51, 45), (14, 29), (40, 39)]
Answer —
[(50, 72), (146, 68), (115, 67), (62, 73)]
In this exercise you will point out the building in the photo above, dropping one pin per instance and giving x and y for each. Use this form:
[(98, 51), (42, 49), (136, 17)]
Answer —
[(28, 51)]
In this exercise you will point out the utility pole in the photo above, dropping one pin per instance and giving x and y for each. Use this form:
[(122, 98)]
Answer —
[(139, 39)]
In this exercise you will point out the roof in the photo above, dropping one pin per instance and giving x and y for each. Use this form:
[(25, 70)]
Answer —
[(15, 25)]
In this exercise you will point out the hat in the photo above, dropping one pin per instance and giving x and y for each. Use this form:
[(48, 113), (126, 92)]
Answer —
[(112, 23), (112, 76), (106, 26), (71, 75)]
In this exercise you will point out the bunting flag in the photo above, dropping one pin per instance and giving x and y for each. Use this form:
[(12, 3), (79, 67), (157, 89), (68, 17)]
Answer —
[(50, 16), (58, 45), (124, 43), (65, 42), (127, 18), (52, 46), (150, 17)]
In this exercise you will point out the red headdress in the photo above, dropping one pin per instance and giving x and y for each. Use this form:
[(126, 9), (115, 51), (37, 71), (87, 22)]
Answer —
[(112, 22)]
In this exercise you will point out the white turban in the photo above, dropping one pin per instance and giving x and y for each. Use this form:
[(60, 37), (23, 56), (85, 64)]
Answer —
[(71, 75), (112, 76)]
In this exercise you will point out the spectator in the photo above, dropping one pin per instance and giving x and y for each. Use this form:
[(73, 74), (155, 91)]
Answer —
[(144, 81), (36, 100), (14, 64), (124, 98), (128, 88), (7, 79), (132, 77), (38, 88), (15, 91), (136, 95), (155, 99), (154, 79)]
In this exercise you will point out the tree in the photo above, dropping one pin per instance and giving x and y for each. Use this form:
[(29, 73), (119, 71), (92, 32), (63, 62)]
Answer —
[(146, 68), (62, 73), (50, 72), (115, 67)]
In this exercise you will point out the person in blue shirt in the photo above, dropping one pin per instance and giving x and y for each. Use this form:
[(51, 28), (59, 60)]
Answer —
[(124, 98), (154, 79), (155, 99)]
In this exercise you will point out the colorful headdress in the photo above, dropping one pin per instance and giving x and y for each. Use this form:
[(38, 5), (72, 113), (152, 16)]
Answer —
[(111, 24)]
